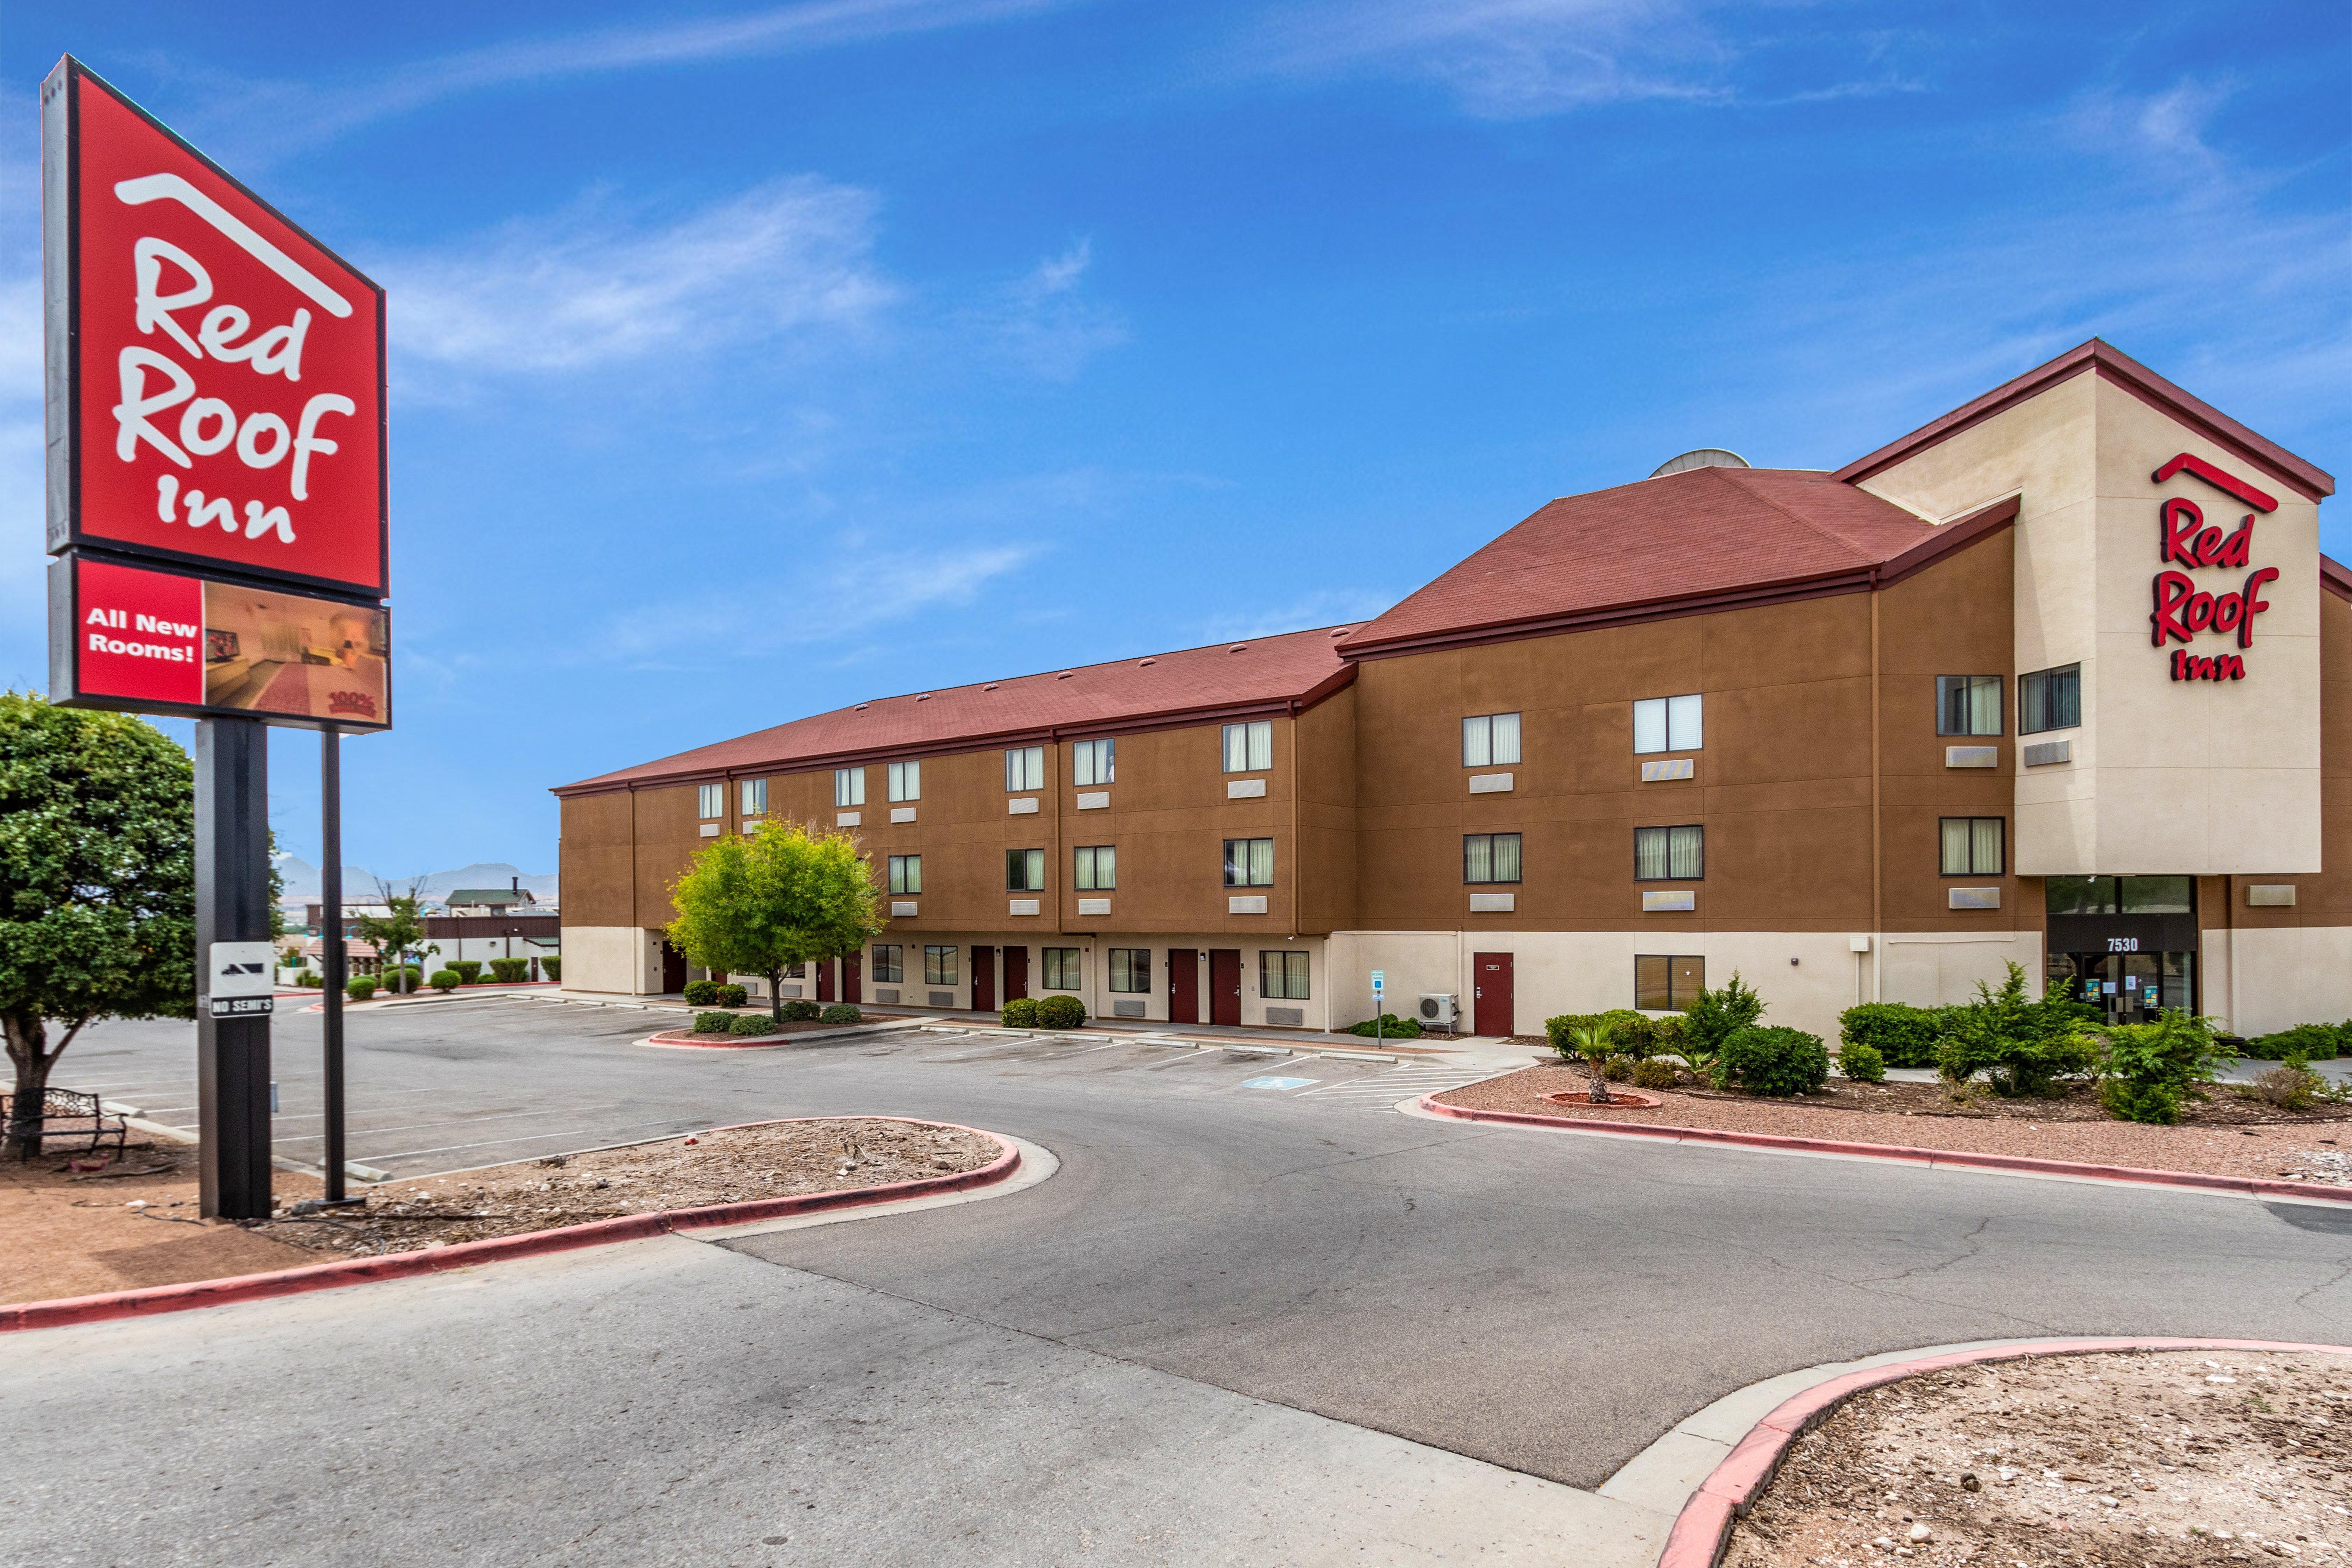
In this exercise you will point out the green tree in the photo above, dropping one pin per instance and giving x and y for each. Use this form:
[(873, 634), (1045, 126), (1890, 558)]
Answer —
[(98, 895), (2023, 1046), (397, 933), (1712, 1018), (771, 902)]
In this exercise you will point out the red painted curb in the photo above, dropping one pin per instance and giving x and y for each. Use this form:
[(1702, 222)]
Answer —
[(747, 1043), (1964, 1158), (1703, 1529), (159, 1299)]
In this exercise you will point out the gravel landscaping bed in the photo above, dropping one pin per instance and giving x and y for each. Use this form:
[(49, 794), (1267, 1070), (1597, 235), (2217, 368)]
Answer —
[(2228, 1136), (2163, 1459), (778, 1160)]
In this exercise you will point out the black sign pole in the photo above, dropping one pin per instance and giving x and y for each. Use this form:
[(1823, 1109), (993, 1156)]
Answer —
[(331, 926), (232, 905)]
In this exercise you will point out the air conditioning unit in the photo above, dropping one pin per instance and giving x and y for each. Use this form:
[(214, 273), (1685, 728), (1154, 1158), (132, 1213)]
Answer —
[(1437, 1012)]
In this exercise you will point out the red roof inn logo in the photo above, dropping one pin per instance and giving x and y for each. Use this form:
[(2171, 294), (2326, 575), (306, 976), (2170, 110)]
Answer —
[(2183, 610), (226, 405)]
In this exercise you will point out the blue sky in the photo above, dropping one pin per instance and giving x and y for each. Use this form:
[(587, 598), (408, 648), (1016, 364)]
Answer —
[(752, 361)]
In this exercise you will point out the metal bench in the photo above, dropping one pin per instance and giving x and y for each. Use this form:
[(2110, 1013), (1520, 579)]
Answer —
[(68, 1114)]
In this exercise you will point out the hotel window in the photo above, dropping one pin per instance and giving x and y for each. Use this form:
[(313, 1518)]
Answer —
[(2050, 699), (1024, 769), (1131, 969), (1249, 862), (849, 786), (1093, 762), (940, 967), (1669, 853), (906, 780), (1097, 868), (1490, 856), (1666, 724), (1663, 984), (1249, 748), (906, 873), (1973, 846), (1491, 739), (1967, 704), (755, 796), (1062, 969), (709, 801), (1282, 976), (1024, 870), (889, 969)]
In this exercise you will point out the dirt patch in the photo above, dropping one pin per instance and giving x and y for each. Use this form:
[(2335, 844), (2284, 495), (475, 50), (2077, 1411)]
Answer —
[(778, 1160), (1921, 1116), (2161, 1459)]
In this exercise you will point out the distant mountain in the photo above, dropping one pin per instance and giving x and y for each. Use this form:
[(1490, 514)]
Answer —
[(360, 883)]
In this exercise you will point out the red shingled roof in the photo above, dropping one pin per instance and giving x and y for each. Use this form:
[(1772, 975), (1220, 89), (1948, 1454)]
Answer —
[(1194, 685), (1700, 535)]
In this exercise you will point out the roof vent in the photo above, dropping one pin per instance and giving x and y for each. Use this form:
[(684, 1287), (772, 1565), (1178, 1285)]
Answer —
[(990, 687), (859, 709), (1341, 631), (1145, 663), (923, 697), (1700, 457), (1066, 675), (1237, 648)]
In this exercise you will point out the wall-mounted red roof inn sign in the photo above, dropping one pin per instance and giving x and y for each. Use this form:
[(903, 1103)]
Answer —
[(216, 375), (2184, 609)]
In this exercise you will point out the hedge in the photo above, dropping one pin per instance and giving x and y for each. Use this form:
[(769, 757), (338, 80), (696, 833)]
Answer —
[(1903, 1035), (841, 1013), (1021, 1013), (1770, 1059), (468, 970), (753, 1024), (552, 967), (800, 1010), (444, 980), (1389, 1028), (701, 993), (1060, 1011)]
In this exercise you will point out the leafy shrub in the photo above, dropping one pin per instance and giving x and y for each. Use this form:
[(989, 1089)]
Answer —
[(1617, 1069), (552, 967), (2304, 1042), (363, 988), (1900, 1036), (2287, 1087), (1652, 1073), (1391, 1027), (1712, 1018), (713, 1022), (750, 1023), (1860, 1060), (318, 980), (470, 970), (1770, 1059), (701, 993), (2021, 1045), (445, 981), (1060, 1011), (1021, 1013), (730, 996), (511, 971), (1630, 1033), (800, 1010), (1668, 1035), (841, 1013), (2145, 1070)]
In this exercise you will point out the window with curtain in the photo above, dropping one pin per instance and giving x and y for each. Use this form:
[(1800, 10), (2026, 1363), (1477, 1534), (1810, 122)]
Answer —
[(1097, 868), (1024, 870), (940, 966), (1967, 704), (906, 873), (709, 801), (906, 780), (1669, 853), (1973, 846), (1490, 739), (1490, 856), (1062, 969), (1249, 748), (1131, 969), (849, 786), (888, 969), (1093, 762), (1666, 724), (1282, 975), (2050, 699), (1024, 769), (1249, 862), (1664, 982), (754, 794)]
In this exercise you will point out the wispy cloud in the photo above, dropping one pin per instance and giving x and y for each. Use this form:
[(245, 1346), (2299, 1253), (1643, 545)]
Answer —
[(1323, 607), (1045, 324)]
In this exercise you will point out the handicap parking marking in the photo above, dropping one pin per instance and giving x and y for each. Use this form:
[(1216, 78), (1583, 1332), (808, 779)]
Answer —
[(1276, 1082)]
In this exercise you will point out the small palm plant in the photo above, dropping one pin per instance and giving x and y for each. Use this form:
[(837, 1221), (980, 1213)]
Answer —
[(1594, 1042)]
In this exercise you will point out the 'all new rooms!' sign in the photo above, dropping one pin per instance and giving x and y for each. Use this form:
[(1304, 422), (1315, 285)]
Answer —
[(2185, 610), (222, 401)]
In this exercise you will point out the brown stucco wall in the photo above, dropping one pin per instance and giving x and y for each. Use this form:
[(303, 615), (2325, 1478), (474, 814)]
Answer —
[(594, 860), (2323, 897)]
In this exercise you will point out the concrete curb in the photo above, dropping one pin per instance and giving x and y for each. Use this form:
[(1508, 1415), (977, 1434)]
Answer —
[(495, 1250), (760, 1042), (2018, 1164), (1703, 1529)]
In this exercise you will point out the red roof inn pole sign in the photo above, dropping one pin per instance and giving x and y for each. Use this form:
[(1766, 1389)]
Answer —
[(2182, 608)]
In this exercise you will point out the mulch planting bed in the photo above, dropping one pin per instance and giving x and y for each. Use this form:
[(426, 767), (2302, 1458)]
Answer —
[(2226, 1135), (2164, 1459), (725, 1038), (777, 1160)]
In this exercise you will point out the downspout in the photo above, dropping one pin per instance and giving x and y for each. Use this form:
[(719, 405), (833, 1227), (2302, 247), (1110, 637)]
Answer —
[(1877, 827), (2230, 924)]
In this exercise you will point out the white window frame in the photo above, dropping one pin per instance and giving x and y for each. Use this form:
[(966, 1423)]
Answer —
[(849, 786), (1490, 740), (906, 780), (1249, 747), (1668, 724)]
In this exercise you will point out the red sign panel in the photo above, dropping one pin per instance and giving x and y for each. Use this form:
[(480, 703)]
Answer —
[(216, 375), (2183, 609), (150, 641)]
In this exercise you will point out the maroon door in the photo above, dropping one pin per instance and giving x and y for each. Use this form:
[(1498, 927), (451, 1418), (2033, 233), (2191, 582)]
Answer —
[(1225, 985), (1491, 996), (983, 980), (825, 979), (1016, 973), (853, 971), (673, 968), (1183, 985)]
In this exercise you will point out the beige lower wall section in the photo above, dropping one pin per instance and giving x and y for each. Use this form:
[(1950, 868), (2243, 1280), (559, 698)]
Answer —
[(2266, 980), (616, 959)]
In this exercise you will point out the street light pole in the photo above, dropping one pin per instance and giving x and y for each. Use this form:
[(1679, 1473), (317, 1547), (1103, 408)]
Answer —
[(330, 936)]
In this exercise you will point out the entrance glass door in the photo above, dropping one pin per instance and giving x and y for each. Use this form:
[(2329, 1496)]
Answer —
[(2133, 987)]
